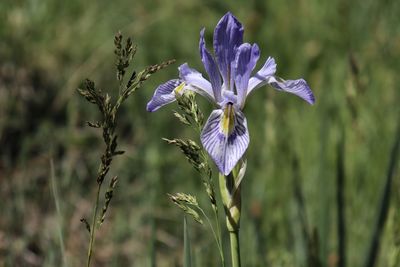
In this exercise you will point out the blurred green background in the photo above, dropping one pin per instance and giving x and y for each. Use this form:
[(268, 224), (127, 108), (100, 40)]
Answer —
[(348, 51)]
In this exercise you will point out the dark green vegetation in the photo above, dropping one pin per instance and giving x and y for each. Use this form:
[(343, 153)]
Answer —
[(299, 155)]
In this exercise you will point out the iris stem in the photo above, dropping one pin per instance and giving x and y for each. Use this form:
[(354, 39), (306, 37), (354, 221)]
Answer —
[(235, 248), (231, 199)]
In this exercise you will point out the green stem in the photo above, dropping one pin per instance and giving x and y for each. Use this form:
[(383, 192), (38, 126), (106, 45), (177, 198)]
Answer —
[(232, 205), (235, 249), (59, 215), (93, 227), (217, 238)]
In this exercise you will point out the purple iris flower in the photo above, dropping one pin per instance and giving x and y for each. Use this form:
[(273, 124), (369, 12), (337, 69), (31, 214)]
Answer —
[(225, 135)]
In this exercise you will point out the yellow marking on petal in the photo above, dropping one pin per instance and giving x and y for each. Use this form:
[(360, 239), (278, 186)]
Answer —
[(228, 120), (179, 88)]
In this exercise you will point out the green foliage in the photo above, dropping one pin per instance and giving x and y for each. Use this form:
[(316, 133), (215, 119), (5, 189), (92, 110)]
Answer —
[(348, 51)]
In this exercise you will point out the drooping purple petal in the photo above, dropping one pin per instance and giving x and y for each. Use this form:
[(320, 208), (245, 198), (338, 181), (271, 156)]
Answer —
[(262, 76), (228, 36), (298, 87), (225, 137), (211, 68), (195, 81), (164, 94), (246, 59)]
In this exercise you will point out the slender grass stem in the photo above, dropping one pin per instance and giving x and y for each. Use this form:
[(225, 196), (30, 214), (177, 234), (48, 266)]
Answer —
[(59, 215), (219, 237), (216, 236), (93, 227), (187, 262)]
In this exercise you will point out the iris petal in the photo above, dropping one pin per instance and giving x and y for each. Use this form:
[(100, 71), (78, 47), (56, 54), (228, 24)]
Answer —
[(298, 87), (246, 59), (262, 75), (211, 68), (196, 82), (225, 137), (228, 36), (266, 75), (164, 94)]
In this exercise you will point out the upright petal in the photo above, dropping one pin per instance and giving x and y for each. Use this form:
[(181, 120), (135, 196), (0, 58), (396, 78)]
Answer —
[(228, 36), (298, 87), (211, 68), (225, 137), (165, 94), (246, 59), (262, 76), (196, 82)]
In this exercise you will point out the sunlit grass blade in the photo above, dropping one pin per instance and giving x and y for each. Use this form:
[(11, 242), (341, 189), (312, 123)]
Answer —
[(187, 260), (383, 209)]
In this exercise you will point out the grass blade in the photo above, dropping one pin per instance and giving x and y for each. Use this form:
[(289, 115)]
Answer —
[(340, 202), (57, 203), (384, 204), (310, 236), (153, 240)]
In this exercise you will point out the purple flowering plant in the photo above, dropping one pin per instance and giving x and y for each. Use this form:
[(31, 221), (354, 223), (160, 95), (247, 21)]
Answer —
[(225, 135)]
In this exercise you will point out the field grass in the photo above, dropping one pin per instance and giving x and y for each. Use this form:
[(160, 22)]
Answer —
[(349, 53)]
